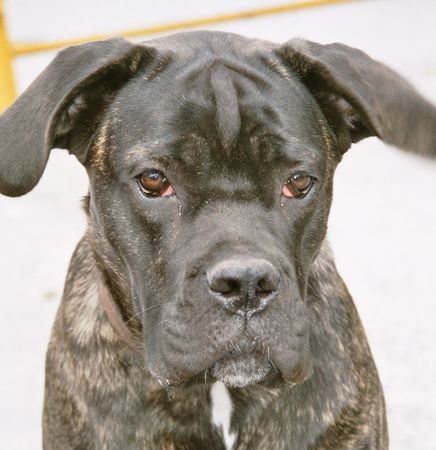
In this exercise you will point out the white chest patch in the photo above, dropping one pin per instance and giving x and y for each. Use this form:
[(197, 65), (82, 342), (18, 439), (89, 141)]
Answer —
[(222, 412)]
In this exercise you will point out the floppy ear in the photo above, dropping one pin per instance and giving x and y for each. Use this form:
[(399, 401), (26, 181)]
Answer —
[(61, 108), (361, 97)]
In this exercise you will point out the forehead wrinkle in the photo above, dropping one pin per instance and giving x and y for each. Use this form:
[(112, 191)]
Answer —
[(228, 117)]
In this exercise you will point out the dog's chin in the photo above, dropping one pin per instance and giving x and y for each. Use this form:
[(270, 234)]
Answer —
[(241, 370)]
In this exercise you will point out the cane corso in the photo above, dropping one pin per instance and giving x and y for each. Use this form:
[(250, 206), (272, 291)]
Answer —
[(204, 280)]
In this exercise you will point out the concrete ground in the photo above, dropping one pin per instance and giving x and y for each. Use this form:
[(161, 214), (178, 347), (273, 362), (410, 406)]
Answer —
[(382, 225)]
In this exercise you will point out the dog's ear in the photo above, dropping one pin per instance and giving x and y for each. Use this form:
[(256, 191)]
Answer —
[(361, 97), (61, 109)]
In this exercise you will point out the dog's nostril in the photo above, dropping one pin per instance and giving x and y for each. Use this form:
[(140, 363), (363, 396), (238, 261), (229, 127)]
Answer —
[(225, 286), (266, 285), (261, 293)]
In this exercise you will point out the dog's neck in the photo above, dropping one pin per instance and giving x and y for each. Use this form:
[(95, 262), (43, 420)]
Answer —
[(115, 318)]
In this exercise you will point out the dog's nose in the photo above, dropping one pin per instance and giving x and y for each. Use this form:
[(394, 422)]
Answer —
[(243, 286)]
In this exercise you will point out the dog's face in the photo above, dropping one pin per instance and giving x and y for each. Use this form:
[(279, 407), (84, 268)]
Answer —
[(210, 159), (210, 189)]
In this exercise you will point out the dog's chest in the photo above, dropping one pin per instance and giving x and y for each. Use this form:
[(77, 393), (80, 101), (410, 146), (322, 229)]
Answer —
[(221, 413)]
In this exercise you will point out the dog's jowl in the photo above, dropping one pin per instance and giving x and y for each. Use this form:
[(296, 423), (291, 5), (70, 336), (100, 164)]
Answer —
[(202, 308)]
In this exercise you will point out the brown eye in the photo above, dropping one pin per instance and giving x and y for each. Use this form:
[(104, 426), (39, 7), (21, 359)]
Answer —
[(154, 184), (298, 185)]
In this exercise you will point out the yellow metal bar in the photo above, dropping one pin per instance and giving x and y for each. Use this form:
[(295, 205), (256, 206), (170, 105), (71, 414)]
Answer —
[(22, 49), (7, 85)]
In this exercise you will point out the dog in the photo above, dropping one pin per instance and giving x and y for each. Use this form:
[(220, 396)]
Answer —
[(204, 278)]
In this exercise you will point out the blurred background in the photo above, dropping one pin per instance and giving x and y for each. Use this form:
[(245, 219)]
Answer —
[(382, 225)]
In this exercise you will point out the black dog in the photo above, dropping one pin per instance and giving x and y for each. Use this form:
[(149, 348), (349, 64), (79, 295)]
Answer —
[(210, 159)]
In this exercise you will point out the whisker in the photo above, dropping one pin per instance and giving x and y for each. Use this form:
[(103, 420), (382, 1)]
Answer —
[(144, 310), (270, 360)]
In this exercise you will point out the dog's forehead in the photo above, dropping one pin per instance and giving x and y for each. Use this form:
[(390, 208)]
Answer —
[(195, 44), (218, 93)]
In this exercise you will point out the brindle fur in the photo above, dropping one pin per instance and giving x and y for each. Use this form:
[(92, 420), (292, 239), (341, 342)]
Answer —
[(99, 395), (227, 119)]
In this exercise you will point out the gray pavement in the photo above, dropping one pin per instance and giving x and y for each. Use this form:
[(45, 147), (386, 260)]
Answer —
[(382, 225)]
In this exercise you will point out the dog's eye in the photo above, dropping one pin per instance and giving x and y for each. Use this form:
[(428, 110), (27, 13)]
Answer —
[(154, 184), (298, 185)]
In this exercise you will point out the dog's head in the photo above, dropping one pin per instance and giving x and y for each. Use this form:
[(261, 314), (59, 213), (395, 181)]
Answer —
[(211, 160)]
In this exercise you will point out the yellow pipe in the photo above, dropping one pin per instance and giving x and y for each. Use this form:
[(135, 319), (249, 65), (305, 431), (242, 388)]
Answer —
[(7, 85), (22, 49)]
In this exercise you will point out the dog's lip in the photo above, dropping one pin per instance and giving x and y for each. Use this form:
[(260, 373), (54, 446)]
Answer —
[(246, 354), (298, 374), (301, 373), (267, 373), (262, 368)]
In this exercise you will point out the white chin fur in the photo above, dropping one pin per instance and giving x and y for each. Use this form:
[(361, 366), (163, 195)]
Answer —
[(241, 371)]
